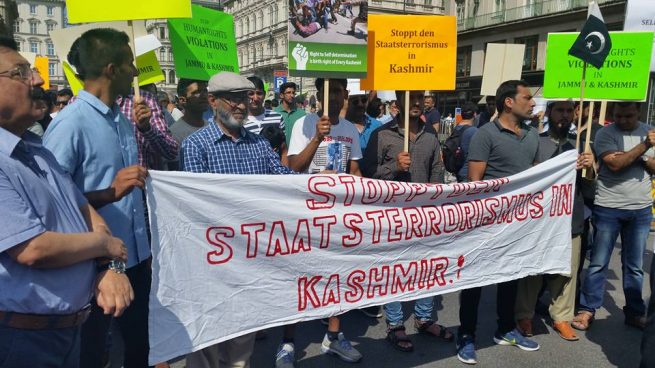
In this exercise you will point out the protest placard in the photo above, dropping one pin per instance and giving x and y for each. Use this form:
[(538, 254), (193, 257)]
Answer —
[(203, 45), (323, 42), (41, 64), (307, 247), (83, 11), (624, 75), (501, 64), (411, 52), (146, 59), (640, 16)]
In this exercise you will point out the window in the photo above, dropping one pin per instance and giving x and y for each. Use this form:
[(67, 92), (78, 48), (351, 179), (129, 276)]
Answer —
[(274, 20), (17, 27), (171, 77), (247, 25), (162, 54), (19, 44), (32, 9), (261, 20), (275, 54), (50, 48), (531, 47), (51, 69), (34, 47), (170, 55), (50, 11), (162, 33), (463, 67), (34, 28), (51, 27)]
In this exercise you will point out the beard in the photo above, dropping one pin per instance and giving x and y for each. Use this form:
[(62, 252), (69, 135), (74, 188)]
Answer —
[(228, 120)]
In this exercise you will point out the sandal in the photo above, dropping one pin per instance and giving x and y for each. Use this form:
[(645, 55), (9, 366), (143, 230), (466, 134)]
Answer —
[(424, 328), (582, 320), (395, 340)]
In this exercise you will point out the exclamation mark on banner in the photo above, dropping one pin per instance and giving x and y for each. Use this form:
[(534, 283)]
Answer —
[(460, 263)]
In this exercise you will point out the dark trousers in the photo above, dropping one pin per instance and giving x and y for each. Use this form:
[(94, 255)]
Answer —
[(469, 302), (133, 325), (58, 348), (648, 339)]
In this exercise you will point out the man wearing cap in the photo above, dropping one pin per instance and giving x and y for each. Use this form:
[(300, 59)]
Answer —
[(52, 242), (225, 147)]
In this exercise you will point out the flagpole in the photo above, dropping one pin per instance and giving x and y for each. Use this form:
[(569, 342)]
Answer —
[(582, 83), (587, 144)]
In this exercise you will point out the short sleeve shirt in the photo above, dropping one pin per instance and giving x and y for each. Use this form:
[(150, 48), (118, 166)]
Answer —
[(37, 195), (336, 150), (504, 152), (630, 188), (93, 142)]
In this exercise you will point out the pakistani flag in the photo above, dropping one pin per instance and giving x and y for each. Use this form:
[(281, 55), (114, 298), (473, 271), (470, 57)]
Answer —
[(594, 43)]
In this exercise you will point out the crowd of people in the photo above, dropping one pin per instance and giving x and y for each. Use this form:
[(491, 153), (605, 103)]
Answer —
[(75, 244), (309, 16)]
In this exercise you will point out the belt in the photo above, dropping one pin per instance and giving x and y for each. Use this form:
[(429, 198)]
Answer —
[(44, 321)]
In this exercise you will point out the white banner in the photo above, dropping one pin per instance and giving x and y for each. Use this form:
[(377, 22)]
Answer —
[(640, 16), (238, 253)]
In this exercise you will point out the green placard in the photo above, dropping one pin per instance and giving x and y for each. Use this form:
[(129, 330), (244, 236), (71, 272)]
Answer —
[(624, 75), (203, 45)]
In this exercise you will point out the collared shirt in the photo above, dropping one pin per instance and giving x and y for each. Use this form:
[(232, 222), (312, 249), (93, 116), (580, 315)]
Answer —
[(504, 152), (380, 157), (290, 119), (157, 144), (93, 142), (37, 195), (255, 124), (209, 150), (369, 126)]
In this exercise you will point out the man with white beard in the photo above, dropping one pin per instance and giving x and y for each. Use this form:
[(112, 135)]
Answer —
[(225, 147)]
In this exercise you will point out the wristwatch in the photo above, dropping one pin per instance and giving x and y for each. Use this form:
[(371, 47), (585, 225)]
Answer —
[(115, 265)]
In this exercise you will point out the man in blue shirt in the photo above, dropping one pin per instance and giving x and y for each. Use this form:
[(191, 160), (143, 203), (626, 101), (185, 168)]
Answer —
[(95, 143), (225, 147), (51, 239)]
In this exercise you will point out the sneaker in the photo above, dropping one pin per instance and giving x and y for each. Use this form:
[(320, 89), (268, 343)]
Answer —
[(341, 348), (514, 338), (466, 349), (373, 312), (285, 357)]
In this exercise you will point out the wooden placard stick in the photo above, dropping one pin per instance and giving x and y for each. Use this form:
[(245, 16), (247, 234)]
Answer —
[(406, 116)]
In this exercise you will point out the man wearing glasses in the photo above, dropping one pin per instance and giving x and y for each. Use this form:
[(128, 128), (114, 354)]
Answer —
[(63, 98), (51, 239), (225, 147)]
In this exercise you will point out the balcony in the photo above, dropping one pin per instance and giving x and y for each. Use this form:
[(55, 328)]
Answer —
[(538, 9)]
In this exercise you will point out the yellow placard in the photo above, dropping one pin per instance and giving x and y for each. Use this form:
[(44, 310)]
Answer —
[(148, 65), (82, 11), (149, 68), (411, 52), (73, 80), (41, 64)]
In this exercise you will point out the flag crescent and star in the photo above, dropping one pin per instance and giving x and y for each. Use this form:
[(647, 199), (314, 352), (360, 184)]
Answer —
[(593, 43)]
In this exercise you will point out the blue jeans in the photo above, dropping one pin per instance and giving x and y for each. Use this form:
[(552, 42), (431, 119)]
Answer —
[(634, 226), (39, 348), (422, 311)]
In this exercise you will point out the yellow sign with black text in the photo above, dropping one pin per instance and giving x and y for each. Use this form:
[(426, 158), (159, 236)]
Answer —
[(85, 11), (411, 52)]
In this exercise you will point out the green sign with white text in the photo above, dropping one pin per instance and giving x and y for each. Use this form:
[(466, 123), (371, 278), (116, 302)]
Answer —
[(203, 45), (325, 42), (624, 75)]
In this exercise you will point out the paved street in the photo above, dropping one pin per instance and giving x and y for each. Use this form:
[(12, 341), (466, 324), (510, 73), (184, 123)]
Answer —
[(609, 343), (337, 33)]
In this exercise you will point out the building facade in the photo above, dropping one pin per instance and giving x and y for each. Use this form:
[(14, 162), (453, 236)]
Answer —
[(528, 22), (36, 18)]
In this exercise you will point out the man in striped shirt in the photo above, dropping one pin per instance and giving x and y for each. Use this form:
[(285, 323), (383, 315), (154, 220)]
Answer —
[(259, 117)]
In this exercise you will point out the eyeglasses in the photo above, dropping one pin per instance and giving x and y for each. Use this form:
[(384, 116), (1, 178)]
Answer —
[(234, 99), (23, 71)]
